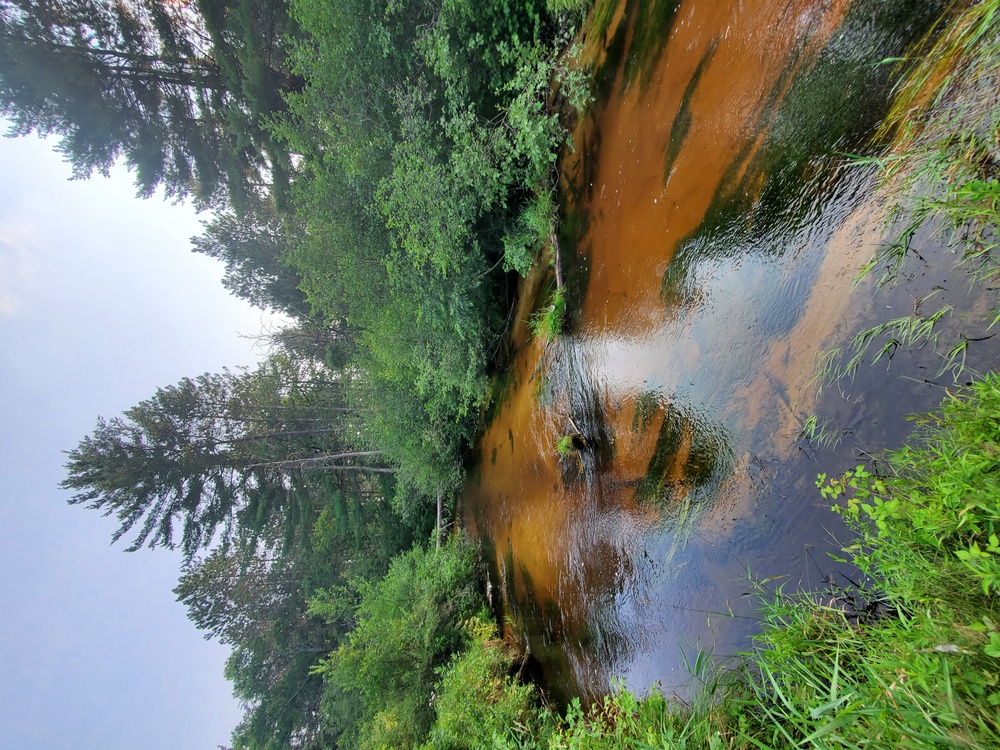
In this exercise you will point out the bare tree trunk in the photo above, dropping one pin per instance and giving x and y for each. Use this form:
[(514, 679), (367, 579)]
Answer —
[(438, 535), (288, 462), (556, 260)]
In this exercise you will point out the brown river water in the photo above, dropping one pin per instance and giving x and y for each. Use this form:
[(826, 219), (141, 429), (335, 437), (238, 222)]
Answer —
[(712, 231)]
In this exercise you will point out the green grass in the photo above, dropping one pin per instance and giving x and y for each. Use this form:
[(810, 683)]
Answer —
[(942, 162), (548, 322), (940, 171), (819, 431)]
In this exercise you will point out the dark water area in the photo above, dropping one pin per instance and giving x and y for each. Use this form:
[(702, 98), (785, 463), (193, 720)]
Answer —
[(712, 233)]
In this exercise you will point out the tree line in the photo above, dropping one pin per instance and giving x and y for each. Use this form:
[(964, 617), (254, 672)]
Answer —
[(375, 171)]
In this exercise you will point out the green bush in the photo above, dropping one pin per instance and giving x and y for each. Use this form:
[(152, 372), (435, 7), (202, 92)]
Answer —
[(479, 705), (937, 509), (408, 625), (531, 231)]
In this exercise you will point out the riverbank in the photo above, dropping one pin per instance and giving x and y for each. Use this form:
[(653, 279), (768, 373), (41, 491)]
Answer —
[(914, 659)]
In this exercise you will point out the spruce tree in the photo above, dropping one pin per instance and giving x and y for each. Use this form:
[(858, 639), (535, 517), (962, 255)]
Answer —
[(180, 98)]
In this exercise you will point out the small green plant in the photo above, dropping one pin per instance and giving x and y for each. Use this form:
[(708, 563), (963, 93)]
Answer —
[(532, 229), (819, 431), (548, 322), (565, 445)]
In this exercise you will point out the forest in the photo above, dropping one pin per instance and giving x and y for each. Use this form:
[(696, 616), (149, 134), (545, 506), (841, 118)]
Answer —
[(382, 174), (377, 172)]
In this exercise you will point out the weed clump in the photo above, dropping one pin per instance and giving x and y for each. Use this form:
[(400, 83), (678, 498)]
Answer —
[(534, 226), (565, 446), (548, 322)]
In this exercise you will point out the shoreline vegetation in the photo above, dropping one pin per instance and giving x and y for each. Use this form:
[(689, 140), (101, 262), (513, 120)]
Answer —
[(912, 659), (383, 173)]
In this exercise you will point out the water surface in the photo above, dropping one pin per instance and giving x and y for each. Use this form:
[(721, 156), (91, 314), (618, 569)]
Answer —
[(712, 233)]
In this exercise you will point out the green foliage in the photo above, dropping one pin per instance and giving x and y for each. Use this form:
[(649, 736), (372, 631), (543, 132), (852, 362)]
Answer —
[(422, 128), (533, 133), (533, 228), (177, 90), (408, 625), (218, 452), (253, 596), (477, 703), (576, 6), (548, 323), (920, 667), (425, 136), (432, 201), (253, 245), (940, 497)]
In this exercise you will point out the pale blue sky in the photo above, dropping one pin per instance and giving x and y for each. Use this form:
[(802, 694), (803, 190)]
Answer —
[(101, 301)]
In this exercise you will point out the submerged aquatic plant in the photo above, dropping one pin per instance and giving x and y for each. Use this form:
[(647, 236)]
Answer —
[(819, 431)]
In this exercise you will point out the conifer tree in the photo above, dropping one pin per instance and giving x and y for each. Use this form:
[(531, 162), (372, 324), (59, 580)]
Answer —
[(220, 451), (180, 97)]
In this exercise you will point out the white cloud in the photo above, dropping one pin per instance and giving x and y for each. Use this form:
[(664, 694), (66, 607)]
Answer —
[(18, 269)]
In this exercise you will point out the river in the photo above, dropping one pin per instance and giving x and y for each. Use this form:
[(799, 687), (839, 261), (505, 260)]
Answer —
[(712, 232)]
